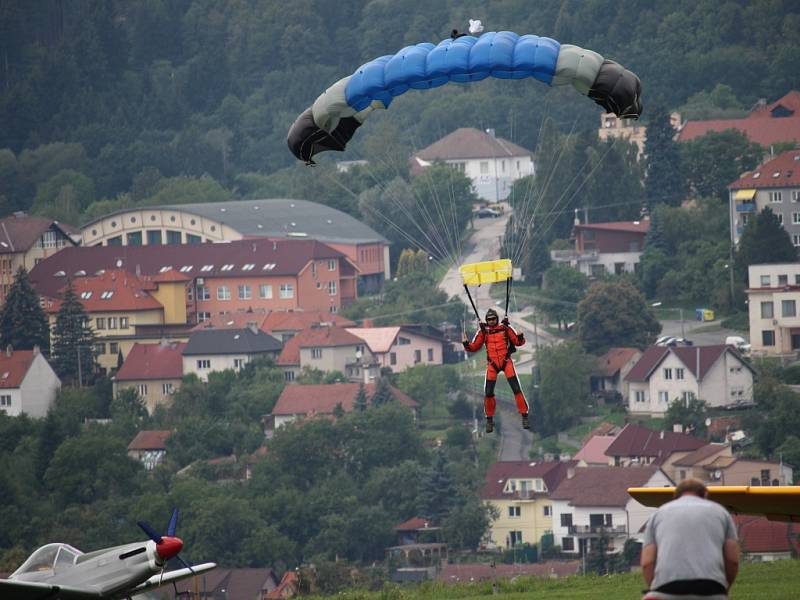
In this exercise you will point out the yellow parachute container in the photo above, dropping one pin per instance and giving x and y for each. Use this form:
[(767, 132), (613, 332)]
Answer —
[(489, 271)]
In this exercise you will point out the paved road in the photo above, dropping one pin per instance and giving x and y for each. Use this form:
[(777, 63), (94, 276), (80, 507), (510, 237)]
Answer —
[(705, 338)]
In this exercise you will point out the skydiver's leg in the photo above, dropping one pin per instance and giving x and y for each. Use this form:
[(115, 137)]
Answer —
[(519, 396), (489, 401)]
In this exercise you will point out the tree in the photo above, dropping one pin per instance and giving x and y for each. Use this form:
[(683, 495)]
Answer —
[(73, 340), (564, 371), (438, 492), (664, 183), (23, 324), (778, 417), (383, 392), (789, 451), (690, 414), (466, 524), (360, 403), (764, 241), (563, 288), (712, 161), (615, 314)]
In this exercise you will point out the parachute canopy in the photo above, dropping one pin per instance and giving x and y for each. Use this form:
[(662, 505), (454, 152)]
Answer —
[(341, 109), (489, 271)]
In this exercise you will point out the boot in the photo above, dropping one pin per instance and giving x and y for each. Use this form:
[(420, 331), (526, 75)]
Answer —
[(489, 424), (525, 423)]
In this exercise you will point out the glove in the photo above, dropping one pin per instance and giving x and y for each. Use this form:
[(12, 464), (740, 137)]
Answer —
[(505, 321), (475, 26), (522, 339), (464, 338)]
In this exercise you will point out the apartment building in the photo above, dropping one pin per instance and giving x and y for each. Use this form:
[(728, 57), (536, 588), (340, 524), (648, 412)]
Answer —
[(773, 297)]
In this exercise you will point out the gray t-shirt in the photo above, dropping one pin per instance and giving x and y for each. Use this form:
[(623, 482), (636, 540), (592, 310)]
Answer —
[(689, 533)]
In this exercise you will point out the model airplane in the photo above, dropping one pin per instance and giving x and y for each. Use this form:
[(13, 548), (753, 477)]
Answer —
[(777, 502), (61, 572)]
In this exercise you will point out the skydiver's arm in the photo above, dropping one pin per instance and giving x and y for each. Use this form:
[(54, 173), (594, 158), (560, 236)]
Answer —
[(477, 341), (518, 339)]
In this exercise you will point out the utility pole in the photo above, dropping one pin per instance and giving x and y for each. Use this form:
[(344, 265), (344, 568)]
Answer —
[(80, 372), (683, 335)]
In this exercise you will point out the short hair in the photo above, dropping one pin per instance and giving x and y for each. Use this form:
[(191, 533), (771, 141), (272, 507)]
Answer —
[(691, 486)]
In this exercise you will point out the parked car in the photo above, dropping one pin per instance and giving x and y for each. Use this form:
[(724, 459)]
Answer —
[(483, 213), (739, 343), (669, 340)]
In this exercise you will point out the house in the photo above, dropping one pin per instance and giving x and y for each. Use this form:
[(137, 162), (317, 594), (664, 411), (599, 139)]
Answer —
[(717, 375), (25, 241), (613, 127), (608, 377), (231, 584), (519, 491), (762, 540), (591, 502), (301, 401), (638, 445), (403, 346), (153, 370), (220, 349), (28, 383), (490, 162), (123, 309), (766, 124), (281, 324), (773, 296), (279, 219), (593, 452), (149, 447), (602, 248), (715, 464), (328, 349), (289, 586), (417, 530), (221, 278), (774, 184)]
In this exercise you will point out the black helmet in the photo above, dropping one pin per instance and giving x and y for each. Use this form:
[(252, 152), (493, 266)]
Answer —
[(491, 313)]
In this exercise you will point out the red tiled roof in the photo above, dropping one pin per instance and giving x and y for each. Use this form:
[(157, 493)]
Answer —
[(235, 320), (722, 425), (14, 368), (780, 172), (760, 535), (594, 450), (18, 233), (463, 572), (315, 337), (701, 454), (500, 472), (297, 320), (150, 440), (287, 588), (261, 257), (467, 142), (642, 226), (152, 361), (602, 486), (170, 276), (322, 399), (612, 361), (413, 524), (692, 357), (790, 101), (635, 440), (127, 293)]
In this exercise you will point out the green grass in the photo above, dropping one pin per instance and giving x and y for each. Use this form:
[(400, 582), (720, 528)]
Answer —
[(773, 581)]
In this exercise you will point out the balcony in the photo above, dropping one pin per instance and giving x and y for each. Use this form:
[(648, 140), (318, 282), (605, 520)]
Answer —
[(597, 530), (570, 255), (745, 207)]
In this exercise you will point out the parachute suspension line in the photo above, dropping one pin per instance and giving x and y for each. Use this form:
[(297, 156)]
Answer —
[(508, 291), (477, 316)]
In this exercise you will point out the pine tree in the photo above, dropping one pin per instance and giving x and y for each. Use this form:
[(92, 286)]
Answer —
[(421, 261), (383, 392), (73, 340), (360, 403), (438, 490), (665, 183), (405, 264), (764, 241), (23, 324)]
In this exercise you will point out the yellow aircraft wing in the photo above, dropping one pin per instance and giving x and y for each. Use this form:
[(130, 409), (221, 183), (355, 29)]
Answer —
[(489, 271), (777, 502)]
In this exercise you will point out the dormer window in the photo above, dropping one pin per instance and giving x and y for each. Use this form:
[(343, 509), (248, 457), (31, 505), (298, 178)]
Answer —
[(227, 268), (165, 269), (207, 268), (186, 268), (86, 295), (248, 267)]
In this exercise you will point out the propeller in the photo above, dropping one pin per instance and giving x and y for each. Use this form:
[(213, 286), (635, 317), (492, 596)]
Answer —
[(167, 546)]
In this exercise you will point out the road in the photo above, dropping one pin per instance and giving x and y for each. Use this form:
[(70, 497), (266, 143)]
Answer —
[(688, 329)]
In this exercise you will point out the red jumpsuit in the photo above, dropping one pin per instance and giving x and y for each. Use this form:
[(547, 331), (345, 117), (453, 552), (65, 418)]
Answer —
[(497, 339)]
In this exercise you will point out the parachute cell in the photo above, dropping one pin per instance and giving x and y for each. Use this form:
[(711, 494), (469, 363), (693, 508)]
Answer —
[(336, 114)]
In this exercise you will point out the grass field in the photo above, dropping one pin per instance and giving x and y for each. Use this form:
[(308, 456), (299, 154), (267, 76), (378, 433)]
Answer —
[(765, 581)]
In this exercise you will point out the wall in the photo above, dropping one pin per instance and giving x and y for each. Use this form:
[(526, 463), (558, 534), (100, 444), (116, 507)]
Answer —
[(219, 362), (405, 353), (99, 232), (155, 395), (786, 209), (723, 382), (532, 522), (334, 358), (38, 389), (172, 297), (782, 327), (743, 471)]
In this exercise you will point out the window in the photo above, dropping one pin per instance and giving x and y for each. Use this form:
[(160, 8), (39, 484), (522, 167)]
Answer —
[(566, 519), (333, 309), (287, 290), (245, 292), (780, 217), (167, 389), (204, 363), (514, 537), (766, 310), (99, 349), (153, 238), (392, 358), (331, 264), (639, 396), (113, 347), (795, 242), (174, 237), (514, 511), (667, 373), (797, 279), (238, 363), (764, 476), (100, 323), (203, 316), (203, 292), (5, 400), (123, 322), (223, 292), (288, 375), (548, 511), (112, 322), (265, 291), (417, 356), (135, 238), (484, 167), (227, 268), (316, 353), (142, 389), (193, 239), (783, 280), (186, 268), (679, 373), (687, 397), (795, 195), (430, 354), (114, 241), (331, 288), (663, 397), (207, 268), (795, 218), (765, 281), (768, 338), (788, 308), (403, 341), (568, 544), (249, 267), (745, 219), (48, 239), (776, 196)]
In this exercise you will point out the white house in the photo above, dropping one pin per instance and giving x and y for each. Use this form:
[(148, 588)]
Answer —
[(403, 346), (221, 349), (593, 501), (492, 163), (715, 374), (773, 296), (28, 383)]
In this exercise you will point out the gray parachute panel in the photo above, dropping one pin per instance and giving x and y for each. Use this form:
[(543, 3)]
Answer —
[(577, 66)]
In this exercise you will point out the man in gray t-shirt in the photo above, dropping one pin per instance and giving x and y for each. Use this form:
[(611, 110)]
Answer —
[(690, 548)]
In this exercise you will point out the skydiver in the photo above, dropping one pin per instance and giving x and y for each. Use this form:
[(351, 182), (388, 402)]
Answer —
[(500, 340), (475, 28)]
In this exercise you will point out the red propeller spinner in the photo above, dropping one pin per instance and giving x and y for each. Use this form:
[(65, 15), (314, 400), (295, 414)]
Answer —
[(169, 547)]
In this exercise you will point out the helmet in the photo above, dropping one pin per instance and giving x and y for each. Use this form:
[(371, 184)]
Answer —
[(492, 313)]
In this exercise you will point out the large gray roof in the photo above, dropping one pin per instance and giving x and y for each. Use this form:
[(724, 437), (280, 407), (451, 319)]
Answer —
[(231, 341), (282, 217)]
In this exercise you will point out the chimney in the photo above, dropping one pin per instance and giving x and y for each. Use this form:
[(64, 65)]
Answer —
[(9, 351), (36, 350), (570, 472), (577, 220), (252, 328), (491, 132), (138, 270), (274, 245)]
